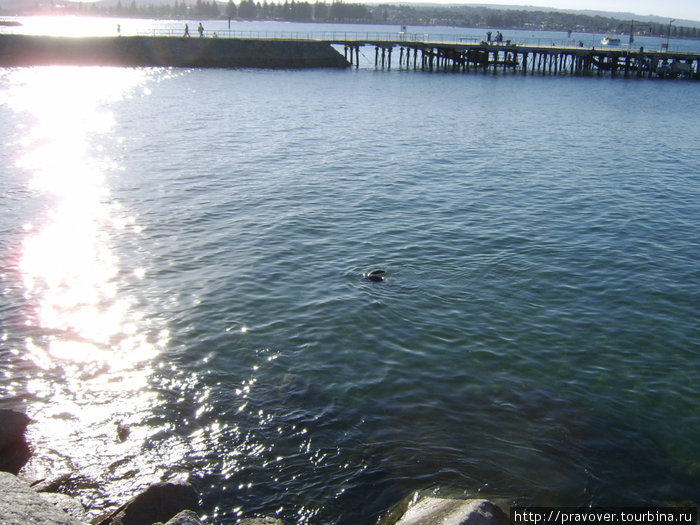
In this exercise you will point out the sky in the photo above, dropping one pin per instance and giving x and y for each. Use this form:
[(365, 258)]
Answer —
[(680, 9)]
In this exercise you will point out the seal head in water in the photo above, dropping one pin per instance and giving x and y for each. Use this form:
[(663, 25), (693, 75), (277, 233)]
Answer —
[(375, 276)]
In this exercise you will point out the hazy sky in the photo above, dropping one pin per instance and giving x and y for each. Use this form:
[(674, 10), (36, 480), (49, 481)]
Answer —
[(681, 9)]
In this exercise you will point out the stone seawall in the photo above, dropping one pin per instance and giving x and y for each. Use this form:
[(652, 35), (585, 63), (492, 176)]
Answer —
[(145, 51)]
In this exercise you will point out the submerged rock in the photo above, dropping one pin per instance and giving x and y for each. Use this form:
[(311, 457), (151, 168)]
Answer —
[(14, 449), (261, 521), (123, 431), (158, 503), (186, 517)]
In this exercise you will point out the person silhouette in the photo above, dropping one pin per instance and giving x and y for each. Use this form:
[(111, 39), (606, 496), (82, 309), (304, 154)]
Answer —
[(187, 31), (201, 30)]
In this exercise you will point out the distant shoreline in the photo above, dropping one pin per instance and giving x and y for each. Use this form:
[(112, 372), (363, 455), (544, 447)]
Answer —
[(473, 16)]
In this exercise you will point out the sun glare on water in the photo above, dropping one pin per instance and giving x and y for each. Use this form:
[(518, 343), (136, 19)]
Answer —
[(91, 344), (69, 268)]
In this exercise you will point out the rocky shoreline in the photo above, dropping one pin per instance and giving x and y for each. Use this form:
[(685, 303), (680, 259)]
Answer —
[(25, 502)]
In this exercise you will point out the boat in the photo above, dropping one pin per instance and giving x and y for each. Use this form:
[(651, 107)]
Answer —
[(610, 41)]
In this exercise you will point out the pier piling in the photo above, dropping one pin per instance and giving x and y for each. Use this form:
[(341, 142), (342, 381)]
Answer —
[(544, 60)]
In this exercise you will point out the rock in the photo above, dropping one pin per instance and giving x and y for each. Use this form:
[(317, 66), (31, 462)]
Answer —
[(123, 431), (14, 449), (51, 485), (68, 483), (261, 521), (439, 511), (158, 503), (67, 504), (12, 426), (186, 517), (20, 505)]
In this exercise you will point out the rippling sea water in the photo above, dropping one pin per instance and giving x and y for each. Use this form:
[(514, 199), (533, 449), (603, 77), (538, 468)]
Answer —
[(183, 252)]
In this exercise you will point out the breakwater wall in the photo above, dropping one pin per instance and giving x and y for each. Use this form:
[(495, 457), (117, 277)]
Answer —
[(155, 51)]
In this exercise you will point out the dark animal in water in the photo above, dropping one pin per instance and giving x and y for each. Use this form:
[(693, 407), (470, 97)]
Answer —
[(375, 276)]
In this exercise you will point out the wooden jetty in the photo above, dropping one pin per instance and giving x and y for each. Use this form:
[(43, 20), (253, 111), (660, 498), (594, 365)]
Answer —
[(314, 52), (526, 59)]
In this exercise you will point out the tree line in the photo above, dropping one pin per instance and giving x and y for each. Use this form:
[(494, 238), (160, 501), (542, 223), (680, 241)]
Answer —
[(339, 11), (293, 11)]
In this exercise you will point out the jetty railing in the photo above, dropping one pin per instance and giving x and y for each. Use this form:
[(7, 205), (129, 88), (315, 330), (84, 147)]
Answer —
[(356, 36), (588, 41), (464, 53)]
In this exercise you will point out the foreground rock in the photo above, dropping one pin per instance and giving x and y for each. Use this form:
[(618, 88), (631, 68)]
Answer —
[(14, 449), (70, 506), (430, 510), (159, 503), (178, 503), (20, 505)]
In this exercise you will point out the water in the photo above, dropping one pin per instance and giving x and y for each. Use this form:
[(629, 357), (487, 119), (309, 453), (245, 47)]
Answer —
[(183, 252)]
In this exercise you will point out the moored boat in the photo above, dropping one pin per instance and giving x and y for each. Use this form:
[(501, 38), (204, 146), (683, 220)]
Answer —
[(610, 41)]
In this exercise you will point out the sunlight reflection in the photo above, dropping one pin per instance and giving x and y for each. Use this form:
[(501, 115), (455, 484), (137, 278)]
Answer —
[(82, 322), (69, 268), (85, 326), (91, 343), (73, 26)]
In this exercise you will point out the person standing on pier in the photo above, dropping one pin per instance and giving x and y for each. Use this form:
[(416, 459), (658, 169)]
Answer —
[(187, 31), (201, 30)]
